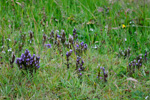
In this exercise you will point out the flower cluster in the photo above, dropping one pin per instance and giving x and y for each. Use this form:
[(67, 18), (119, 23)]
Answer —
[(136, 63), (28, 62), (63, 37), (51, 38), (79, 64), (105, 75), (75, 33), (68, 54), (125, 53), (80, 48)]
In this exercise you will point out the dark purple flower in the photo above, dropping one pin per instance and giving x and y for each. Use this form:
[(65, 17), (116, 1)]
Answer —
[(69, 53), (85, 46), (27, 61), (129, 64), (20, 66), (82, 62), (38, 67), (38, 58)]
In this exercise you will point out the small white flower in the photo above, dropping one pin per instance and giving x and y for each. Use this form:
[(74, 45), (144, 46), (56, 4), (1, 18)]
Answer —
[(57, 30), (9, 50), (42, 30), (95, 47), (8, 39), (146, 97), (125, 39), (3, 52), (91, 29), (98, 65)]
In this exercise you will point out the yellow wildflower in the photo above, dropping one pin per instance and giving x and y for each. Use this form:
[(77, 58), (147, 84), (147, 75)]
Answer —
[(123, 26)]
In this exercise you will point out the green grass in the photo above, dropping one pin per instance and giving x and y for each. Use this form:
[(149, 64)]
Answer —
[(102, 29)]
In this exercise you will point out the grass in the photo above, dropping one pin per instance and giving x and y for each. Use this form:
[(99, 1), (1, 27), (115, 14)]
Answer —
[(99, 24)]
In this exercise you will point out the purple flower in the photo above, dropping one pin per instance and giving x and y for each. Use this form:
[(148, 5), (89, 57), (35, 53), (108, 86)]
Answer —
[(27, 61), (80, 74), (20, 66), (82, 43), (103, 69), (79, 69), (136, 64), (140, 64), (27, 51), (48, 45), (33, 55), (129, 64), (29, 55), (70, 51), (85, 46), (38, 58), (82, 62), (22, 55), (67, 54), (58, 36), (139, 61), (77, 46), (140, 58), (38, 67)]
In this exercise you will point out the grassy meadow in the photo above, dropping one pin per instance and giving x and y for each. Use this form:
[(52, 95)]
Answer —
[(87, 49)]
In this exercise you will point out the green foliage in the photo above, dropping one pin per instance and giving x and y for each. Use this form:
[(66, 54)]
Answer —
[(99, 24)]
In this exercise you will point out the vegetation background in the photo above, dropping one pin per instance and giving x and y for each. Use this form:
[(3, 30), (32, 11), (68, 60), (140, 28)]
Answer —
[(105, 25)]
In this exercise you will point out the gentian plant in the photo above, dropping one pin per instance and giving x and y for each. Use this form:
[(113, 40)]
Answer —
[(68, 54), (104, 76), (28, 62)]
